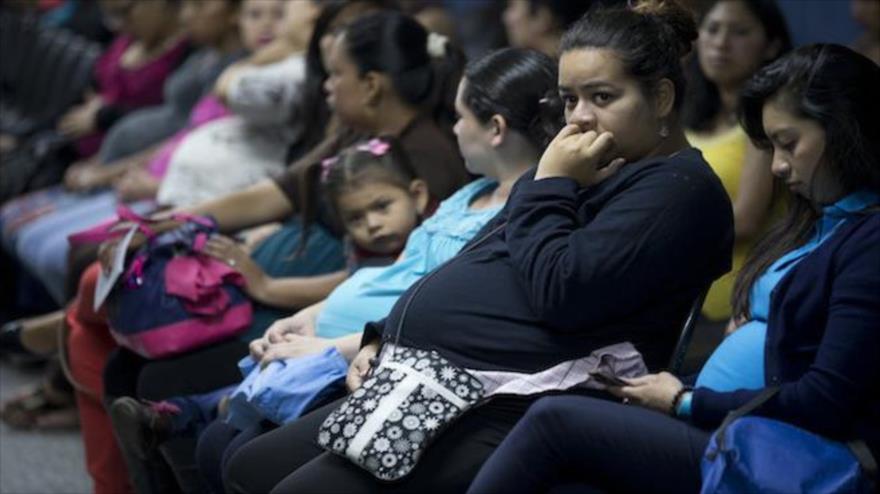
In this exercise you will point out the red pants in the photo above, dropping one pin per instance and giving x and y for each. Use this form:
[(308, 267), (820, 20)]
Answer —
[(89, 345)]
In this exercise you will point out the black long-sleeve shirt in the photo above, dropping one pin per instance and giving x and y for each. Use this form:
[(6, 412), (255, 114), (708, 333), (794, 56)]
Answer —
[(575, 269)]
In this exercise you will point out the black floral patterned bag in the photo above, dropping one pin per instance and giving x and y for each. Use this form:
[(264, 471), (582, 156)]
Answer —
[(386, 424), (411, 396)]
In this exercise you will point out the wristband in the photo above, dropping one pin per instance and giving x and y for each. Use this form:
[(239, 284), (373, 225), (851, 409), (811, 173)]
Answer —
[(673, 408)]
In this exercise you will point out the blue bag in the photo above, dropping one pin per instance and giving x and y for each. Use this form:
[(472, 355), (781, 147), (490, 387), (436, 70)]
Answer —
[(755, 454), (286, 389)]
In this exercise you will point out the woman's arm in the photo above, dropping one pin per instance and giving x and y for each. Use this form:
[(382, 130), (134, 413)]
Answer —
[(266, 95), (287, 293), (755, 194), (263, 202), (643, 241), (298, 291), (91, 174)]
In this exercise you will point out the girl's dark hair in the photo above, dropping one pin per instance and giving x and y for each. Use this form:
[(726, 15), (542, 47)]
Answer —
[(835, 87), (360, 164), (651, 38), (313, 105), (703, 102), (398, 46), (519, 85)]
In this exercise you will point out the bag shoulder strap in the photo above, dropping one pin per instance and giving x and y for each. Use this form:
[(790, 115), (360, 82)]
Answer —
[(744, 410), (424, 279)]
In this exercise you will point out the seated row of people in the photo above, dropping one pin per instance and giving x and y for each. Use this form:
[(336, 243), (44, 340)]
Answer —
[(609, 240)]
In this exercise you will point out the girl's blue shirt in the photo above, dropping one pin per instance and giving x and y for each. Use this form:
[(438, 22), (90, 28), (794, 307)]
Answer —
[(370, 292)]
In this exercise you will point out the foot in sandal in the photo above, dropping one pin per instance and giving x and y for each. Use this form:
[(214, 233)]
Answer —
[(40, 408)]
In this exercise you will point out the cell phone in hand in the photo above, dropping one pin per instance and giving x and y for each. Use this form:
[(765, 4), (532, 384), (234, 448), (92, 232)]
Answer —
[(608, 379)]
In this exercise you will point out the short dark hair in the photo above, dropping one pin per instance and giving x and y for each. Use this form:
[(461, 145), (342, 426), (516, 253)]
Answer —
[(651, 39)]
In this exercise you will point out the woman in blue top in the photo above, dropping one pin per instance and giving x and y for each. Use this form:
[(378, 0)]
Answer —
[(808, 304)]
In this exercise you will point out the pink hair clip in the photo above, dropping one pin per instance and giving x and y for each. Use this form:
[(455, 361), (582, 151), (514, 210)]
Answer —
[(376, 147), (326, 166)]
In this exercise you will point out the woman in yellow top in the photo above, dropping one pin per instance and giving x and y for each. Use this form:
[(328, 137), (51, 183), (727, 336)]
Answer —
[(736, 38)]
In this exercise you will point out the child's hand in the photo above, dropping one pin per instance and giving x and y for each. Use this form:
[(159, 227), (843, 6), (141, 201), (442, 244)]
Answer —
[(294, 346), (301, 323), (258, 348), (578, 155), (227, 250)]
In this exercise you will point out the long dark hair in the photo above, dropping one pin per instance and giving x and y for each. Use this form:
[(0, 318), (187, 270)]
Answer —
[(651, 38), (835, 87), (519, 85), (703, 101)]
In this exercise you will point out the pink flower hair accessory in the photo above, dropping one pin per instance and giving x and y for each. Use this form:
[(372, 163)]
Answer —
[(376, 147), (326, 166)]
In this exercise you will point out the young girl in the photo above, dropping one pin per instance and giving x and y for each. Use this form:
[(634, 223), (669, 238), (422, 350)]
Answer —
[(373, 191), (376, 197), (810, 292), (736, 38)]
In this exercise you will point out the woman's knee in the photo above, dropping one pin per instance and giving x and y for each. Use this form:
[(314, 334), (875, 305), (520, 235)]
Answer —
[(241, 474)]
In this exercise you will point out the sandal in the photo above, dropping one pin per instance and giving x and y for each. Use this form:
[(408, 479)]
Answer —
[(12, 348), (40, 408)]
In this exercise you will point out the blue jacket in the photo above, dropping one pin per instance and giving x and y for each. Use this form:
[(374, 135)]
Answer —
[(823, 343)]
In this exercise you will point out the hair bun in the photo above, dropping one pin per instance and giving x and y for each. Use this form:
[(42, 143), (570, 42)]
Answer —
[(680, 27)]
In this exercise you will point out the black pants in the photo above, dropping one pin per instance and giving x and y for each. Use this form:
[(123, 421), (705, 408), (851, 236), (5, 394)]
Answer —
[(601, 445), (289, 459), (218, 443)]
